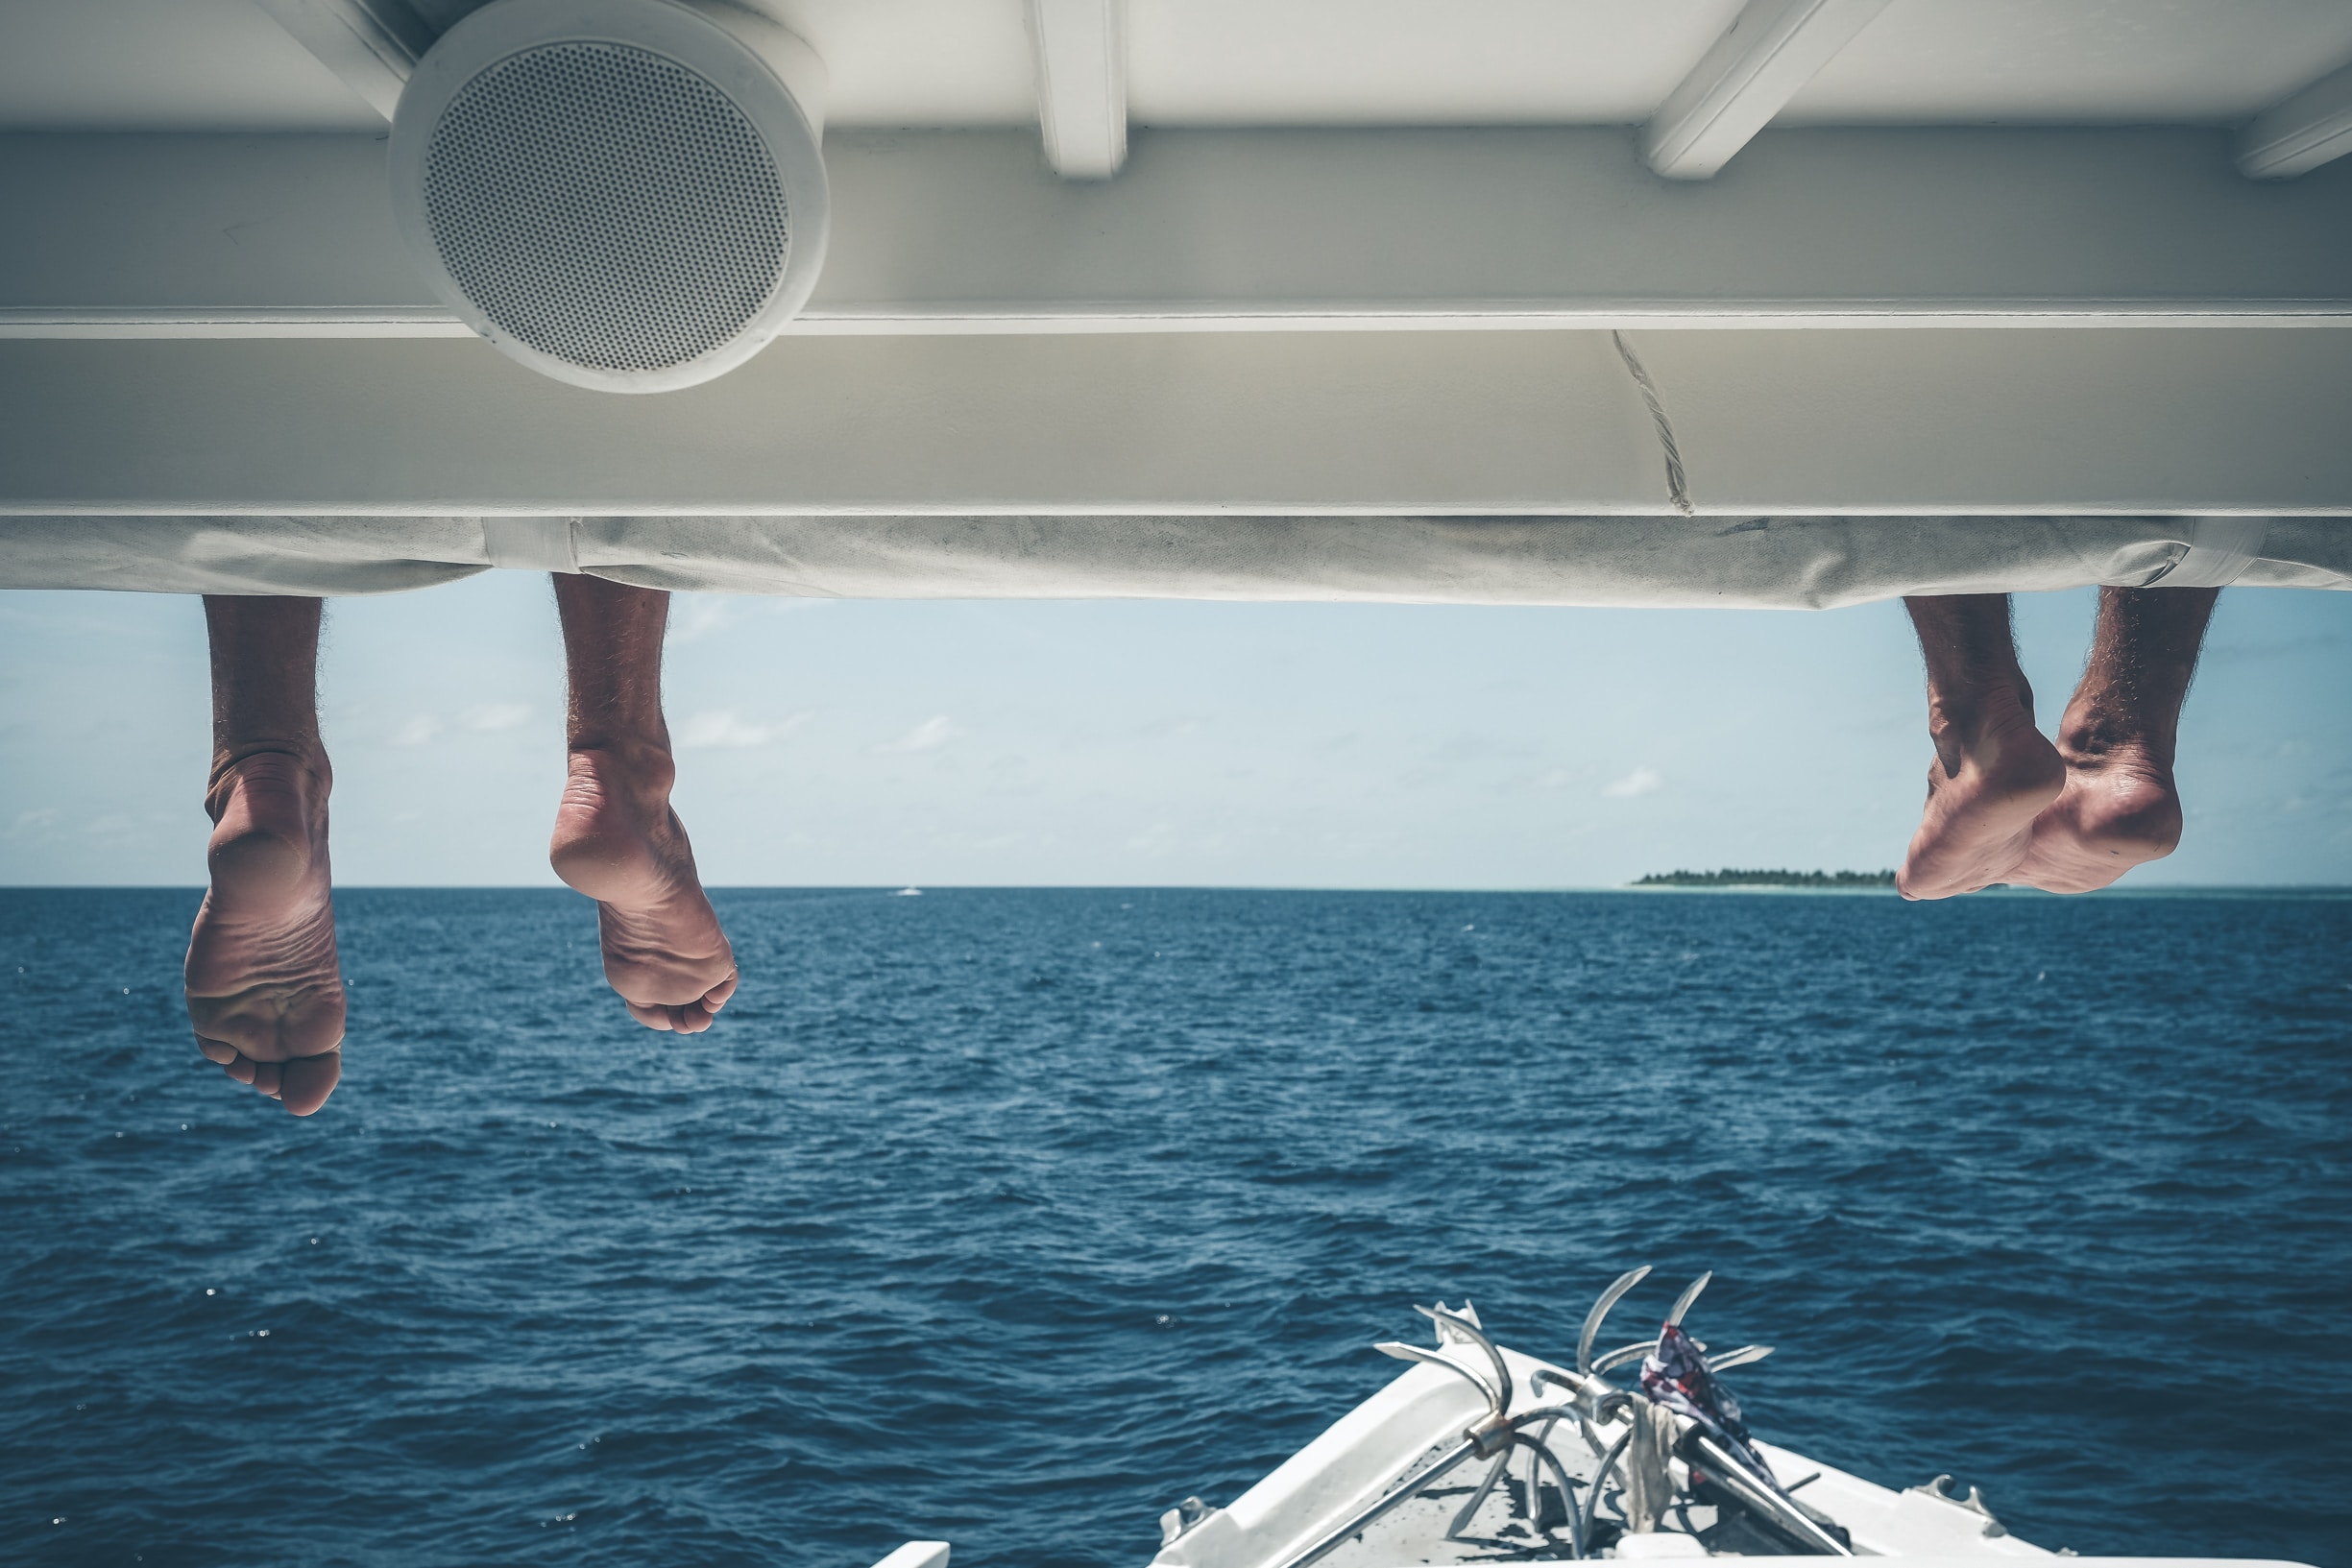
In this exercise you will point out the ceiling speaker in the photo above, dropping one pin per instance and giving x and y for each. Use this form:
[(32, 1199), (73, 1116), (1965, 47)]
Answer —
[(622, 194)]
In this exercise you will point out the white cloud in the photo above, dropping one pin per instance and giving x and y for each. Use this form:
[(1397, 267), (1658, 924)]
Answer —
[(693, 617), (1158, 839), (26, 822), (496, 715), (1642, 781), (928, 735), (418, 730), (724, 727)]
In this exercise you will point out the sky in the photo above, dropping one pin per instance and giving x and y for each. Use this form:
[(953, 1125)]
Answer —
[(1133, 743)]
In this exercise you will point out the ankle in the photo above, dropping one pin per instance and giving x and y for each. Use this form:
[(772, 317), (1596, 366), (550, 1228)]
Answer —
[(640, 769), (303, 757), (2104, 750), (2099, 732), (1984, 713)]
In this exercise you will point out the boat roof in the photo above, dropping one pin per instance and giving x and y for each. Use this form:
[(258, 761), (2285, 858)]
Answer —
[(228, 65), (1320, 258)]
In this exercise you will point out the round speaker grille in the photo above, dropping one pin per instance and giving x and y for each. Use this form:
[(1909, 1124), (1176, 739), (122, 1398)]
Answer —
[(605, 207)]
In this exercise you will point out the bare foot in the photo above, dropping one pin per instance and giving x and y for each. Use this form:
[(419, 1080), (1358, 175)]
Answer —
[(264, 990), (2120, 809), (617, 841), (2117, 811), (1992, 777)]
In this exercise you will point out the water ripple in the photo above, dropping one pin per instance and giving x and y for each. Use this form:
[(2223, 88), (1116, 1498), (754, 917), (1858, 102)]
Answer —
[(1009, 1218)]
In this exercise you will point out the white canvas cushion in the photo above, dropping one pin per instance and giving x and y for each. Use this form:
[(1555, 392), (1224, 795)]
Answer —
[(1782, 563)]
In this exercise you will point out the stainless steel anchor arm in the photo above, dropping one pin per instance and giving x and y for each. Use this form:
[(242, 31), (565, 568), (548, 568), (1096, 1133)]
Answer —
[(1595, 1399), (1549, 1412), (1567, 1493), (1600, 1309), (1690, 1294), (1735, 1477), (1608, 1463), (1478, 1380), (1478, 1498), (1610, 1360), (1578, 1529), (1476, 1336)]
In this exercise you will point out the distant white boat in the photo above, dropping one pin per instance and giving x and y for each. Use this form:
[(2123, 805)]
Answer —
[(908, 893)]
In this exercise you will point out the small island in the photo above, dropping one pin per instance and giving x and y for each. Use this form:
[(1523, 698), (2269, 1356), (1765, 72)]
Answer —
[(1769, 878)]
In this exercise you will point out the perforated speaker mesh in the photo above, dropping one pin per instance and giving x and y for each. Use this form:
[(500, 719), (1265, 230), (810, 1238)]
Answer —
[(605, 205)]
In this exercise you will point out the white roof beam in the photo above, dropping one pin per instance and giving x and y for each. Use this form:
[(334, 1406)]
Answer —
[(2147, 423), (1772, 49), (1545, 227), (372, 45), (2299, 134), (1081, 85)]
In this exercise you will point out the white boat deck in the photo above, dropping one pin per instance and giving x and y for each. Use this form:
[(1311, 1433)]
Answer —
[(1361, 1494)]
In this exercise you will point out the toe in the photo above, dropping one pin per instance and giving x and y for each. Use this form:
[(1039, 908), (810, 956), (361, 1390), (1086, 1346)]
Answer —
[(306, 1081), (219, 1052), (716, 997), (652, 1017), (239, 1068), (266, 1076)]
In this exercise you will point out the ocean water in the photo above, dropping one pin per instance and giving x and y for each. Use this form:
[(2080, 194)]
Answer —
[(1011, 1218)]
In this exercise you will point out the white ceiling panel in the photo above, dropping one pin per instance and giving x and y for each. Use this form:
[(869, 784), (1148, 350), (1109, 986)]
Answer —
[(2076, 63), (1270, 62), (226, 66), (919, 62), (163, 65)]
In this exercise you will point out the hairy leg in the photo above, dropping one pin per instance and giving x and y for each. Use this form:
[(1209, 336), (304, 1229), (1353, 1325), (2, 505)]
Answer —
[(2120, 809), (264, 991), (615, 837), (1993, 772)]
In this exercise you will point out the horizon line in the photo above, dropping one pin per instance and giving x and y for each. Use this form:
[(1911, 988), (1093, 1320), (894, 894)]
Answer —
[(1862, 889)]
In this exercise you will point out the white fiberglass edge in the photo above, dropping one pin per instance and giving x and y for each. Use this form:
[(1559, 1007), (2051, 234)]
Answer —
[(917, 1555)]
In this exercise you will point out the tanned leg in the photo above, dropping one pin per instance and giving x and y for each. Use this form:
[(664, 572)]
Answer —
[(1993, 772), (2119, 809), (264, 991), (615, 837)]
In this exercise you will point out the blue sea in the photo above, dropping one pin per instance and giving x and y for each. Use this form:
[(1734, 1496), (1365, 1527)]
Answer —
[(1011, 1218)]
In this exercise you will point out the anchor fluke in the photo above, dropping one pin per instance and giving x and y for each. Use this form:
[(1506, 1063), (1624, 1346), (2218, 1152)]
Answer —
[(1600, 1310), (1690, 1294)]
